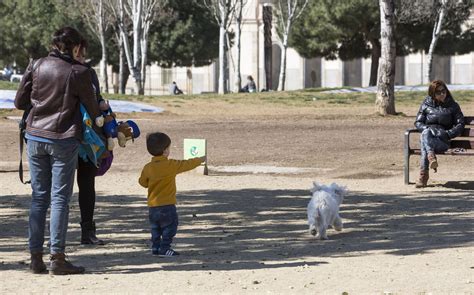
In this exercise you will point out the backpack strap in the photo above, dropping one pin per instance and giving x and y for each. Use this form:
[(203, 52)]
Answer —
[(22, 141), (22, 126)]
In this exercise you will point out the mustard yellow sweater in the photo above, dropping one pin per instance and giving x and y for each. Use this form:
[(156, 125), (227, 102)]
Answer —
[(159, 176)]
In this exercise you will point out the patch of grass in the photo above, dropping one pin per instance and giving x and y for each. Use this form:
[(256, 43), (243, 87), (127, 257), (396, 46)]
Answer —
[(313, 97), (10, 112), (320, 89), (463, 95), (306, 97), (5, 85)]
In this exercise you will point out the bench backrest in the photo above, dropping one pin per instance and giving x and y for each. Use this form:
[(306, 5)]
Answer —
[(466, 140)]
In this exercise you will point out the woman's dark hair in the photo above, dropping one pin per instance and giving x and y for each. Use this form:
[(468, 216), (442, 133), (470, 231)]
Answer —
[(250, 78), (157, 142), (65, 39), (434, 85)]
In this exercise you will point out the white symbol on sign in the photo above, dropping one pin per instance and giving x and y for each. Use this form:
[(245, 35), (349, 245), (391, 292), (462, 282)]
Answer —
[(194, 151)]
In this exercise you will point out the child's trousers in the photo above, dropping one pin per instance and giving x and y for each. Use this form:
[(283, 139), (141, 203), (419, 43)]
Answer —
[(164, 224)]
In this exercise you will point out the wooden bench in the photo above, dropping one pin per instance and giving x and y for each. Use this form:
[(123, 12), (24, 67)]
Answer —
[(460, 146)]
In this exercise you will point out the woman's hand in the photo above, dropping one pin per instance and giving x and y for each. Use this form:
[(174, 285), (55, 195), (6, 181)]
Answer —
[(440, 133)]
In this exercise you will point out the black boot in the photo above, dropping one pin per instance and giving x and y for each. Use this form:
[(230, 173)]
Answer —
[(88, 236), (37, 265)]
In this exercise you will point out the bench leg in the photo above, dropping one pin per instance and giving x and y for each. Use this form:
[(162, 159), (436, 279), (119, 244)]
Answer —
[(406, 153), (407, 168)]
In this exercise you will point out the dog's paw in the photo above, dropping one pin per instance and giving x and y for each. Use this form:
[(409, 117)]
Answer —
[(338, 227), (337, 224), (320, 237)]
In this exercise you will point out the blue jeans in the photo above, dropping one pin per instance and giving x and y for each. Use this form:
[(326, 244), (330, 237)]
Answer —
[(430, 143), (52, 168), (164, 225)]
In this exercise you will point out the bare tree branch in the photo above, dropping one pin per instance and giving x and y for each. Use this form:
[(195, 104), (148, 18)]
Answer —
[(294, 9)]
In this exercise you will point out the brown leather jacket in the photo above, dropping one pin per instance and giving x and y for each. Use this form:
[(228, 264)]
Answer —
[(53, 87)]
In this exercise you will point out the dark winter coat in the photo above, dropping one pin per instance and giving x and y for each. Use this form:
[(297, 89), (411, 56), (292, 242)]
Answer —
[(445, 119)]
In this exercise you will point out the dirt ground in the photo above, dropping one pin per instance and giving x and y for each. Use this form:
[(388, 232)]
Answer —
[(243, 227)]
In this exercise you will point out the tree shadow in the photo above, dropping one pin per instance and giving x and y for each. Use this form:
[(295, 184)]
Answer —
[(255, 228)]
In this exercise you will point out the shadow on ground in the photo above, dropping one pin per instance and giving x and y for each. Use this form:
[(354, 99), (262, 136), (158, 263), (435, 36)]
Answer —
[(460, 185), (254, 228)]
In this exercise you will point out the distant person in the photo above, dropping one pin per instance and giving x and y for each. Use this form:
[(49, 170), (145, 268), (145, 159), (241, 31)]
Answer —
[(159, 176), (52, 89), (7, 72), (250, 86), (439, 120), (174, 89)]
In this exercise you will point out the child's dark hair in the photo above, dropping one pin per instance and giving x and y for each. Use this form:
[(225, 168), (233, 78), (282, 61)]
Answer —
[(157, 142), (65, 39)]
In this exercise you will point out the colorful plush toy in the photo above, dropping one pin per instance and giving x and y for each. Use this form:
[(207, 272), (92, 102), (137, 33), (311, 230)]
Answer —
[(123, 131), (92, 147)]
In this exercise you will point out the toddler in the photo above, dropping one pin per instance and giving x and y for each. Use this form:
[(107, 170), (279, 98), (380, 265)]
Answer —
[(159, 176)]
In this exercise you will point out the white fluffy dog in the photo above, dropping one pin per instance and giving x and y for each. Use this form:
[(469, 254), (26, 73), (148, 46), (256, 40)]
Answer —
[(323, 209)]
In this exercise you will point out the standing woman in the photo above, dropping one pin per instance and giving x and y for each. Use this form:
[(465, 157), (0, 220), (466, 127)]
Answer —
[(439, 120), (52, 89), (86, 171)]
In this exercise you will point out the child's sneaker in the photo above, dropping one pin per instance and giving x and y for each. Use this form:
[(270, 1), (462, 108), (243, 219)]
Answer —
[(168, 253)]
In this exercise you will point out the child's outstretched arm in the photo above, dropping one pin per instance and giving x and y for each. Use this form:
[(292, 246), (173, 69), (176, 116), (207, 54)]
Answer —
[(186, 165)]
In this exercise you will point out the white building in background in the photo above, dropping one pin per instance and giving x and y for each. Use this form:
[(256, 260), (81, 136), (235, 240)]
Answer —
[(301, 72)]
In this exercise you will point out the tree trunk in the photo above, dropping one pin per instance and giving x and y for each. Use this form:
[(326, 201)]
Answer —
[(267, 35), (222, 47), (144, 61), (238, 33), (294, 10), (125, 45), (282, 78), (138, 81), (137, 32), (374, 65), (434, 40), (122, 83), (221, 59), (141, 17), (385, 101), (103, 61), (103, 65)]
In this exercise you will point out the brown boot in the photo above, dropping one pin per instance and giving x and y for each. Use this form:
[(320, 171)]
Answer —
[(60, 266), (433, 161), (37, 265), (423, 180)]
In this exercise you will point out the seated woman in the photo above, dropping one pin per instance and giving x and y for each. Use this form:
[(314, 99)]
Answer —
[(439, 120), (174, 89), (250, 86)]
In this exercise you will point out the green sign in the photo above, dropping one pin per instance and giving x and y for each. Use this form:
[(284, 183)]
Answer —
[(194, 148)]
